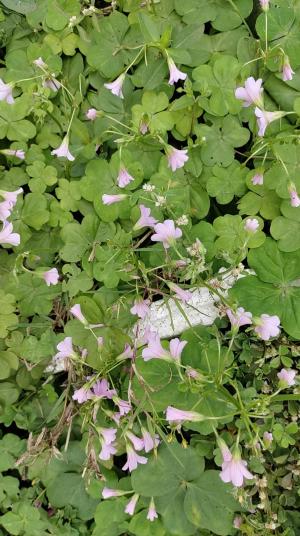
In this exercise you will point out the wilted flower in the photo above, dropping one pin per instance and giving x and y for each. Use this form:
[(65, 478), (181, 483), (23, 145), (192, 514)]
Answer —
[(7, 236), (237, 522), (133, 459), (124, 177), (124, 406), (258, 179), (251, 225), (6, 92), (176, 157), (140, 307), (287, 71), (183, 295), (110, 199), (52, 83), (63, 150), (268, 438), (166, 233), (145, 219), (82, 395), (240, 317), (107, 493), (175, 73), (179, 415), (287, 377), (51, 277), (130, 506), (116, 86), (234, 469), (251, 93), (91, 114), (265, 118), (152, 514), (267, 326)]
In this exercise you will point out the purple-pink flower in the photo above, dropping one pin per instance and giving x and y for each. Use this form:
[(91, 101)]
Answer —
[(11, 197), (101, 389), (82, 395), (179, 416), (76, 311), (91, 114), (267, 326), (295, 200), (264, 118), (51, 83), (258, 179), (116, 86), (51, 277), (133, 459), (63, 150), (234, 469), (175, 73), (152, 514), (7, 236), (268, 438), (107, 493), (143, 127), (137, 442), (287, 377), (237, 522), (130, 506), (239, 318), (287, 71), (110, 199), (166, 233), (107, 450), (18, 153), (6, 92), (123, 405), (150, 442), (251, 225), (181, 294), (176, 347), (154, 349), (145, 220), (264, 4), (140, 307), (251, 93), (65, 348), (5, 210), (124, 177), (176, 157)]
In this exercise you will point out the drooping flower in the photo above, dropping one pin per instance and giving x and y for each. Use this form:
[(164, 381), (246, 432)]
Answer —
[(5, 210), (152, 514), (11, 197), (251, 93), (123, 405), (130, 506), (82, 395), (264, 4), (287, 71), (287, 377), (268, 438), (101, 389), (7, 236), (110, 199), (107, 493), (181, 294), (179, 415), (176, 347), (175, 73), (51, 277), (251, 225), (154, 350), (150, 442), (140, 307), (116, 86), (51, 83), (91, 114), (176, 157), (166, 233), (18, 153), (239, 318), (267, 326), (76, 311), (137, 442), (234, 469), (258, 179), (6, 92), (264, 118), (107, 450), (124, 177), (295, 199), (65, 348), (63, 150), (108, 434), (145, 220), (133, 459)]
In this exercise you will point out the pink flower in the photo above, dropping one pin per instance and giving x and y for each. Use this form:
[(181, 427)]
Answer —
[(5, 210), (176, 157), (51, 277), (287, 71), (152, 514), (107, 451), (133, 459), (145, 220), (265, 118), (295, 200), (234, 469), (264, 4), (258, 179), (268, 438), (6, 92), (108, 434), (238, 520), (149, 442), (107, 493), (140, 307), (18, 153), (7, 236), (76, 311), (63, 150), (267, 326), (137, 442), (239, 318), (192, 373), (116, 86), (11, 197), (124, 406), (154, 349), (251, 225), (101, 389), (65, 348), (287, 377), (130, 506), (251, 93), (91, 114), (39, 62), (176, 347), (179, 415), (110, 199), (143, 127), (166, 233), (51, 83), (82, 395), (183, 295), (175, 73), (124, 178)]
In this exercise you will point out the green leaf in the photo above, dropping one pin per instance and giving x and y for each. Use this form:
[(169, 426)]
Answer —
[(69, 489), (34, 212), (8, 318)]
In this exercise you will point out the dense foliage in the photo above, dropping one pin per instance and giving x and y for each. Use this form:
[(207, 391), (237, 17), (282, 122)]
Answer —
[(149, 155)]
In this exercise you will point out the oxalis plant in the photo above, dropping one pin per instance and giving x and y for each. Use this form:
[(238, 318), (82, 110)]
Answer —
[(150, 158)]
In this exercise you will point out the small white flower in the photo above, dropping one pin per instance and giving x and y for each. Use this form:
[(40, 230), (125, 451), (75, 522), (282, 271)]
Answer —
[(160, 201), (183, 220), (148, 187)]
